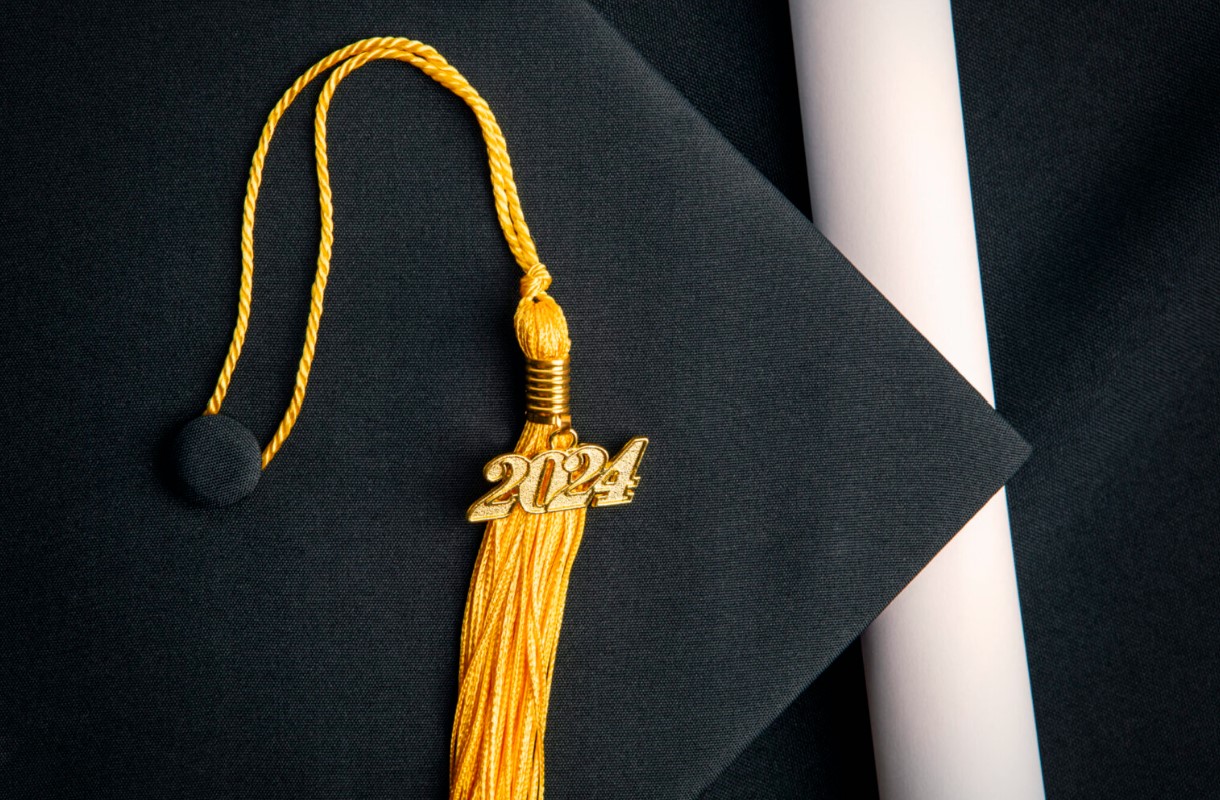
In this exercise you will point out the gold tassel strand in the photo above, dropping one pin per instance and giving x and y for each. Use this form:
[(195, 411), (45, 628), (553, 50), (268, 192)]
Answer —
[(513, 612)]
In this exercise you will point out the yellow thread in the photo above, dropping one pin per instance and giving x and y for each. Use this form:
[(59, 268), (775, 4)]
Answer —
[(514, 607)]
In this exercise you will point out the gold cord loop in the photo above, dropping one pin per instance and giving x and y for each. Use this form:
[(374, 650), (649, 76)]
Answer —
[(504, 192)]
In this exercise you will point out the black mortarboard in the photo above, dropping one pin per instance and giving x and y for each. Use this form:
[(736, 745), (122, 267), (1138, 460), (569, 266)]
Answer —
[(810, 451)]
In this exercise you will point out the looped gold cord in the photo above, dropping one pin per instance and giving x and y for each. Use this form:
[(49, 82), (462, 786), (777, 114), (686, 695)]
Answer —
[(504, 189), (514, 608)]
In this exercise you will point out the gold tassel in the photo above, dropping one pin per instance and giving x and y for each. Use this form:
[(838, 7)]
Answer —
[(513, 613), (535, 519)]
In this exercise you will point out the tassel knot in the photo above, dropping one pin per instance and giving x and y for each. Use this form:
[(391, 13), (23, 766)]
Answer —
[(535, 281), (542, 329)]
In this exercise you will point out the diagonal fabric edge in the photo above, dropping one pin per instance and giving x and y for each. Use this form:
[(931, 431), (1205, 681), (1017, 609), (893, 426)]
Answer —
[(759, 183)]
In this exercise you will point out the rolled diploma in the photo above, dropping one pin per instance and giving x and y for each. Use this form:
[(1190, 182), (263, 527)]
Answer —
[(948, 684)]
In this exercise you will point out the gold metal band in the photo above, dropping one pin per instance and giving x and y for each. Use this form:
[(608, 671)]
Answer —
[(548, 391)]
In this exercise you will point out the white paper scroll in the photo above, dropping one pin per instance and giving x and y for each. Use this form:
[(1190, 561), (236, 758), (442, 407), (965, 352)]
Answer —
[(948, 684)]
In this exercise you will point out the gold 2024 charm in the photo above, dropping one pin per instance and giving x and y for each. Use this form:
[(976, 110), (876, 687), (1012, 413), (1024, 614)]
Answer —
[(560, 480)]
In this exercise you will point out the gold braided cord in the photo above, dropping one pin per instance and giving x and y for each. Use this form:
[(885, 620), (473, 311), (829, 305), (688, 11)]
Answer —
[(514, 608), (508, 205)]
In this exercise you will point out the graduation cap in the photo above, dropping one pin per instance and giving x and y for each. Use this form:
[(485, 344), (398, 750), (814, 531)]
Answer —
[(810, 451)]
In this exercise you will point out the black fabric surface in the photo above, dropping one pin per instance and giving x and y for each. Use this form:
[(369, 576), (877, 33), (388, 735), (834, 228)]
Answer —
[(1094, 144), (820, 746), (809, 452), (1096, 176), (734, 61)]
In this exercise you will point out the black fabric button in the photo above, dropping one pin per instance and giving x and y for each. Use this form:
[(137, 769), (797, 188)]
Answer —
[(218, 460)]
